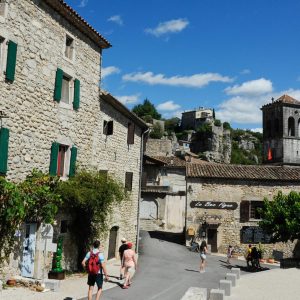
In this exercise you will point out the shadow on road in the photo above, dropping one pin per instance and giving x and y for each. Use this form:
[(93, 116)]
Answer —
[(242, 267), (177, 238), (196, 271)]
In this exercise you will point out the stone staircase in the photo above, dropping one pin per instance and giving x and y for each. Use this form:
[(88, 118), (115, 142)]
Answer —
[(149, 225)]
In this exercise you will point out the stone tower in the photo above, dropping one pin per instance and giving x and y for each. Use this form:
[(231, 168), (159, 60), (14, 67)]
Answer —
[(281, 131)]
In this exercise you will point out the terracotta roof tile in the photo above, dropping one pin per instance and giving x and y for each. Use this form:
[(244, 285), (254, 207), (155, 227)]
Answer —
[(284, 99), (243, 172), (170, 161)]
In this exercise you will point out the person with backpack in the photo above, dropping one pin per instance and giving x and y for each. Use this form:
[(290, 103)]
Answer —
[(95, 265)]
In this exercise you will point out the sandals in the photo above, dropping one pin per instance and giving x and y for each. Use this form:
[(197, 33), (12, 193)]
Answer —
[(125, 287)]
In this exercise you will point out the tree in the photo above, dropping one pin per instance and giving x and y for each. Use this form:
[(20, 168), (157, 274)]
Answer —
[(172, 125), (145, 110), (156, 132), (214, 114), (281, 217)]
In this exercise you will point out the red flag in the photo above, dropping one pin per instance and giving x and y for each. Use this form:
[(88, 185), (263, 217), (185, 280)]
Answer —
[(269, 154)]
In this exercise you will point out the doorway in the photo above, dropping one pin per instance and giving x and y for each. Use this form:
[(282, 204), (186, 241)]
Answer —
[(112, 242), (212, 239), (27, 265)]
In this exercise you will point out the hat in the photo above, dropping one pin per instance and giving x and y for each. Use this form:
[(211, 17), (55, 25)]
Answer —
[(129, 245), (123, 240)]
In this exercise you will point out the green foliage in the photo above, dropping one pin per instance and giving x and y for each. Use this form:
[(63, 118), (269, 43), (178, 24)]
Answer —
[(58, 256), (156, 132), (217, 123), (146, 110), (281, 217), (172, 125), (214, 114), (205, 128), (89, 197), (34, 199), (226, 125)]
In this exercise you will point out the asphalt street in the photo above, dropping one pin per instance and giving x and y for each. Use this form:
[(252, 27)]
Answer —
[(166, 270)]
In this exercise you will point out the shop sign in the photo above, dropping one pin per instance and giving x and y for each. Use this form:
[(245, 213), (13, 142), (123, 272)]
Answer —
[(214, 205)]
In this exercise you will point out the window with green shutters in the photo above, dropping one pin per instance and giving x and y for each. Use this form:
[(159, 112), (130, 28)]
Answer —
[(11, 61), (4, 139), (76, 94), (53, 159)]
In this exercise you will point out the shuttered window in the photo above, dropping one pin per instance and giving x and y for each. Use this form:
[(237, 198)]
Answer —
[(244, 211), (4, 138), (108, 127), (11, 61), (128, 181), (73, 161), (76, 100), (130, 133), (53, 159), (58, 85)]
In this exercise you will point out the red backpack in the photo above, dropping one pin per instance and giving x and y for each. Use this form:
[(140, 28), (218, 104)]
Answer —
[(94, 264)]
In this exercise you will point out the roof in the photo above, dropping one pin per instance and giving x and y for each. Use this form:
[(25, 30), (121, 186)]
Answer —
[(108, 98), (169, 161), (76, 20), (284, 99), (243, 172)]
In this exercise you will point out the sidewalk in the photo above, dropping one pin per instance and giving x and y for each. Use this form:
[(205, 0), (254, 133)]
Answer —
[(74, 287), (276, 284)]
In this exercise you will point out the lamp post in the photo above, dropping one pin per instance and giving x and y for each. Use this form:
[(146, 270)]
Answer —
[(2, 116)]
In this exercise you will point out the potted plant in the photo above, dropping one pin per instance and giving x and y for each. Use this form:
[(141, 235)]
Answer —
[(271, 259), (57, 272)]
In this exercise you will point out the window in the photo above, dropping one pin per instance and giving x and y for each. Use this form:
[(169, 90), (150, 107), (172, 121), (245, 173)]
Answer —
[(69, 51), (249, 210), (64, 226), (108, 127), (291, 126), (2, 45), (3, 8), (66, 89), (128, 181), (61, 159), (130, 133)]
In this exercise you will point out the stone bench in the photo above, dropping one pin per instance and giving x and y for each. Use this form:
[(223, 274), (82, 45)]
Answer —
[(216, 294), (226, 286)]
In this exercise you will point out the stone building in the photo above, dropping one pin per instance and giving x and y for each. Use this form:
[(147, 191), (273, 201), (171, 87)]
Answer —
[(163, 194), (281, 131), (194, 118), (50, 63), (222, 202)]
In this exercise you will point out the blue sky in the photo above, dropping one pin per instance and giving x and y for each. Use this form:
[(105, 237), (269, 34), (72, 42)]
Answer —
[(233, 55)]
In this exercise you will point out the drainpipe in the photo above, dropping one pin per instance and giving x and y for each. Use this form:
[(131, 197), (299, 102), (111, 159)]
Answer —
[(140, 191)]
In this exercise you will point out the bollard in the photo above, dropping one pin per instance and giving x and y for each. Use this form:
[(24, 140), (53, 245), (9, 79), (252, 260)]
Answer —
[(216, 294), (236, 271), (232, 277), (226, 286)]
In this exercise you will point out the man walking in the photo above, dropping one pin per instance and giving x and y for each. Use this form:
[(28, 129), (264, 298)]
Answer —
[(122, 248), (94, 262)]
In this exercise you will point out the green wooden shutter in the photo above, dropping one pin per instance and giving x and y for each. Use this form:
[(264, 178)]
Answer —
[(76, 94), (11, 61), (4, 137), (58, 84), (73, 161), (53, 159)]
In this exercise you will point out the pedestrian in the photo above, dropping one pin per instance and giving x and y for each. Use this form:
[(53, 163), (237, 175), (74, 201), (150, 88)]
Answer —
[(122, 248), (249, 255), (128, 262), (229, 253), (255, 258), (95, 265), (203, 251)]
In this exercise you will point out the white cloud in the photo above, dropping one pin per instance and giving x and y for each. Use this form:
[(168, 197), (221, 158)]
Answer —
[(246, 109), (109, 71), (257, 129), (83, 3), (172, 26), (253, 87), (129, 99), (196, 80), (116, 19), (168, 105), (173, 114), (245, 72)]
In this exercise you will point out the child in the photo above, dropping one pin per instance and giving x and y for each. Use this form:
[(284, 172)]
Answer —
[(229, 253)]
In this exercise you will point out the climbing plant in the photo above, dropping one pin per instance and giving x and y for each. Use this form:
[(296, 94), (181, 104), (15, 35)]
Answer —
[(89, 197), (34, 199)]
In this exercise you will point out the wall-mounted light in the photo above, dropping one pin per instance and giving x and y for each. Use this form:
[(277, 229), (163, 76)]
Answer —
[(2, 116), (190, 189)]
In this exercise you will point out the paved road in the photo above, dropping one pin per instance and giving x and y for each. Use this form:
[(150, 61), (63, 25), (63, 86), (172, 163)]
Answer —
[(166, 270)]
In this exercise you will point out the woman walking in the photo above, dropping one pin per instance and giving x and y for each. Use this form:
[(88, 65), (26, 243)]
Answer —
[(203, 251), (129, 261)]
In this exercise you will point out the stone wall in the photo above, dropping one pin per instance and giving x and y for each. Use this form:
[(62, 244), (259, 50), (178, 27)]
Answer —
[(35, 120), (229, 229), (155, 147)]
